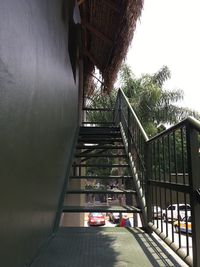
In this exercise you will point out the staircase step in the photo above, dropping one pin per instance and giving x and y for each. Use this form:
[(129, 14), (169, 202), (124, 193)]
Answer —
[(102, 165), (90, 191), (101, 177), (99, 147), (99, 127), (98, 123), (100, 156), (99, 139), (98, 109), (99, 130), (126, 209), (100, 142), (101, 135)]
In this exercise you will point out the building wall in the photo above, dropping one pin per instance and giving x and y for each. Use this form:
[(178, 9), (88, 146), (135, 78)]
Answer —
[(38, 120)]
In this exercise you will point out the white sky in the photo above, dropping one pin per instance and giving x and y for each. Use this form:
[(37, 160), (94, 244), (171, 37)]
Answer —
[(168, 33)]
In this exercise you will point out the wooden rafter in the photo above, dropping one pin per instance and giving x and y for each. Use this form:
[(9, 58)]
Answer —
[(92, 29), (91, 58)]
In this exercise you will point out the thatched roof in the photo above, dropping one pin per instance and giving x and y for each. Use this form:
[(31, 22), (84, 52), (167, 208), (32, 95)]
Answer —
[(107, 30)]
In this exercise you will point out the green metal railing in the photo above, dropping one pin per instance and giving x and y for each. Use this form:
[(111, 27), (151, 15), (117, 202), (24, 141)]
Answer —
[(166, 170), (134, 133), (173, 185), (135, 140)]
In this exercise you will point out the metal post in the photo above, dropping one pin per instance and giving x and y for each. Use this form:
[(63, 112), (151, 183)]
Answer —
[(194, 175), (120, 104), (148, 193), (135, 220), (128, 132)]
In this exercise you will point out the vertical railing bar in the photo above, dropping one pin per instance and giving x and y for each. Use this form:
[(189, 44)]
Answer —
[(165, 190), (148, 174), (129, 136), (166, 224), (156, 202), (161, 143), (169, 163), (177, 198), (153, 202), (164, 178), (169, 148), (187, 234), (185, 199), (163, 150), (159, 160), (175, 158), (120, 103), (159, 174), (184, 182), (182, 153), (194, 174)]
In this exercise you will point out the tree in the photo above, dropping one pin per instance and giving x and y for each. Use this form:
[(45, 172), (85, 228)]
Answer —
[(154, 105), (100, 101)]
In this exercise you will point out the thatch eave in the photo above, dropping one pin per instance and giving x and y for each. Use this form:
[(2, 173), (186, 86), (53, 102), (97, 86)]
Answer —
[(107, 30)]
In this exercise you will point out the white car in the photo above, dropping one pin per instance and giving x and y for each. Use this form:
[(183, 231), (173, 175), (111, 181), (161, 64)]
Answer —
[(171, 212)]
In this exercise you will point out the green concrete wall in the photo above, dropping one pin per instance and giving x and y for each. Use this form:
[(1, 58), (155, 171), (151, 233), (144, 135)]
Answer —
[(38, 120)]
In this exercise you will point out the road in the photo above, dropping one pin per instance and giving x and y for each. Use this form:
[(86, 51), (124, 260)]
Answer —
[(108, 223)]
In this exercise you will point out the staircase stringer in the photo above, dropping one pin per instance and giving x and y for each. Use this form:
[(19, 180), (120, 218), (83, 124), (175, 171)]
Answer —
[(140, 193)]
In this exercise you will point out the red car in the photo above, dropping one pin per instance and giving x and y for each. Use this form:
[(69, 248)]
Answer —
[(96, 218)]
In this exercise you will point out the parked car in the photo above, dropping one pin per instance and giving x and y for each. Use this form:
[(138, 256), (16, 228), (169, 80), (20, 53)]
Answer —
[(114, 217), (184, 225), (96, 218), (156, 210), (171, 212)]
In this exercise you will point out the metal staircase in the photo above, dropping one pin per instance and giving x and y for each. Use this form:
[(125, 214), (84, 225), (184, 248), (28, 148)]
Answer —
[(152, 175), (100, 143)]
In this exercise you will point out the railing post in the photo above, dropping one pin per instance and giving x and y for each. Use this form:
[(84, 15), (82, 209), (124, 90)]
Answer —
[(148, 194), (120, 105), (194, 180), (128, 130)]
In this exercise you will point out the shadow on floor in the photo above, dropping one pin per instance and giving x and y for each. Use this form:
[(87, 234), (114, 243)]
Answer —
[(156, 253), (102, 247)]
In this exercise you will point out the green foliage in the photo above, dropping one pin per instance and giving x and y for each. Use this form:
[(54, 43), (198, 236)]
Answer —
[(100, 171), (154, 105), (103, 101)]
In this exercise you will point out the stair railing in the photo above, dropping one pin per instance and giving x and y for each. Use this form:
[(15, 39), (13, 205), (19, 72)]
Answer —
[(135, 140), (166, 170), (173, 188)]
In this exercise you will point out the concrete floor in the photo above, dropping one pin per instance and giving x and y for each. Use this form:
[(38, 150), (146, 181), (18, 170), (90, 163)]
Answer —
[(102, 247)]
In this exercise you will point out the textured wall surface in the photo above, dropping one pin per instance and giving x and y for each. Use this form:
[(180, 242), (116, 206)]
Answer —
[(38, 118)]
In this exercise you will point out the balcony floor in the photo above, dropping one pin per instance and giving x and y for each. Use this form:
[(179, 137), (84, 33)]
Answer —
[(102, 247)]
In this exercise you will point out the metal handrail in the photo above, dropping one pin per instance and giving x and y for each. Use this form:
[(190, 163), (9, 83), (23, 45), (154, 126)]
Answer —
[(158, 162), (135, 116), (165, 170), (188, 121), (181, 138)]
